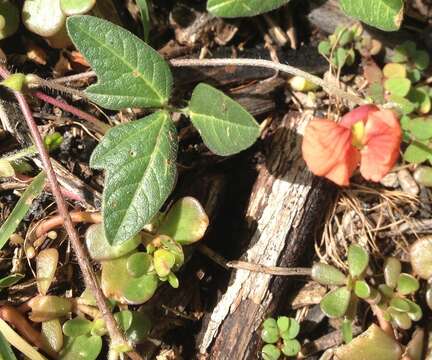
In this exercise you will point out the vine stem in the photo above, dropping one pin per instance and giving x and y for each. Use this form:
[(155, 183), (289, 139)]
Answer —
[(330, 88), (90, 279), (285, 68)]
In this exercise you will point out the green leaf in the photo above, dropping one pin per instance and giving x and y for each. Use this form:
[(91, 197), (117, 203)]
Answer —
[(383, 14), (21, 208), (407, 284), (10, 280), (270, 352), (358, 260), (283, 323), (139, 328), (6, 352), (139, 264), (145, 17), (392, 270), (398, 86), (417, 152), (415, 312), (77, 326), (270, 335), (292, 331), (335, 303), (130, 73), (405, 105), (83, 347), (392, 70), (421, 59), (139, 158), (324, 48), (99, 247), (242, 8), (225, 126), (401, 319), (291, 347), (52, 333), (327, 275), (362, 289), (76, 7), (186, 221), (421, 128), (399, 304)]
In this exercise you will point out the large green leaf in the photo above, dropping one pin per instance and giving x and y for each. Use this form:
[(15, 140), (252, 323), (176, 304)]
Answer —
[(225, 126), (130, 73), (383, 14), (241, 8), (139, 158)]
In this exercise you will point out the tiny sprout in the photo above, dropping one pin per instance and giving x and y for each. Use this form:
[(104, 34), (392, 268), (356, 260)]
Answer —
[(341, 302), (398, 309), (53, 141), (280, 337)]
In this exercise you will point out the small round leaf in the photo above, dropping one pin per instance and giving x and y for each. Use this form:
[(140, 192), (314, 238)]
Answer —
[(358, 260), (270, 352), (283, 323), (421, 257), (362, 289), (291, 347), (270, 335), (399, 304), (398, 86), (407, 284), (77, 326), (327, 275), (335, 303), (392, 270), (139, 264)]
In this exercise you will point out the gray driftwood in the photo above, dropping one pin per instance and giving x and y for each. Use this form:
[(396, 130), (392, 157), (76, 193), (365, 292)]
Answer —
[(287, 206)]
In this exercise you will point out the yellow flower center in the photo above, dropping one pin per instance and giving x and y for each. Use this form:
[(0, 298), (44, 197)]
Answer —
[(358, 131)]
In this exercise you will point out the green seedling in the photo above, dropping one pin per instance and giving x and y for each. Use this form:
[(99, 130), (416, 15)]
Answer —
[(132, 276), (135, 324), (341, 302), (280, 338), (338, 49), (397, 307), (9, 18), (83, 347), (53, 141), (10, 280)]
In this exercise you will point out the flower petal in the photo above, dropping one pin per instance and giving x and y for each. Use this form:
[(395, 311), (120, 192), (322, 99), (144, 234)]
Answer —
[(360, 113), (382, 141), (327, 151)]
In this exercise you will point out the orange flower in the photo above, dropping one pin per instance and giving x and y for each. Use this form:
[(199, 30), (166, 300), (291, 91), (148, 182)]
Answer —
[(366, 136)]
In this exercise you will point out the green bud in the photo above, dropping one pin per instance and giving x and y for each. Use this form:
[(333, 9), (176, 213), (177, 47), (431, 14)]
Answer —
[(14, 82)]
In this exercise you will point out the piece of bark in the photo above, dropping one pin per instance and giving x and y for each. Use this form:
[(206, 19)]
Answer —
[(286, 208)]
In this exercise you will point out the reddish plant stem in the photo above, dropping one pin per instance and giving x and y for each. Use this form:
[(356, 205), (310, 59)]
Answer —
[(99, 125), (117, 338)]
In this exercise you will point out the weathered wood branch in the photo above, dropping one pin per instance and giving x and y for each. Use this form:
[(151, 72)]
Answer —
[(286, 207)]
